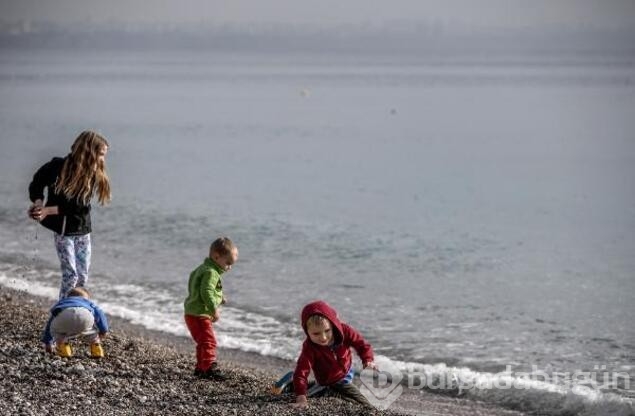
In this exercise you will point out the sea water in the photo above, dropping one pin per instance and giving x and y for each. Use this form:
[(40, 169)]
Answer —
[(467, 218)]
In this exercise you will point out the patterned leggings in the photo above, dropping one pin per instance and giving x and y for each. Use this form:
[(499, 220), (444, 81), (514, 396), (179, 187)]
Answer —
[(74, 254)]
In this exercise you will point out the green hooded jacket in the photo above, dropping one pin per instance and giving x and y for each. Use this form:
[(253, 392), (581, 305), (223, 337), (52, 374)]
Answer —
[(205, 290)]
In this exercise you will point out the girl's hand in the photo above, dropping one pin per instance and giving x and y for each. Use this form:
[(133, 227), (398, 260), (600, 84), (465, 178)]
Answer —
[(223, 301), (38, 213), (300, 402), (34, 211)]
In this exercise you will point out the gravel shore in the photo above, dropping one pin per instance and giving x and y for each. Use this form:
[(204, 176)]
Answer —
[(149, 373)]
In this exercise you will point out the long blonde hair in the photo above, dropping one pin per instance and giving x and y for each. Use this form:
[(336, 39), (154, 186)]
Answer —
[(83, 173)]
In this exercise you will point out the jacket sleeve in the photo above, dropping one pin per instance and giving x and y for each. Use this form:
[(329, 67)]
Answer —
[(359, 344), (46, 334), (209, 281), (40, 180), (301, 373), (100, 319)]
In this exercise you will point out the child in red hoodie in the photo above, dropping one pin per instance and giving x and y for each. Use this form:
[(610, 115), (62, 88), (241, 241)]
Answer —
[(327, 351)]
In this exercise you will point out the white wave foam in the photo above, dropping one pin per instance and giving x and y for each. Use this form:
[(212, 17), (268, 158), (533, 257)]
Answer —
[(158, 310), (514, 391), (252, 332), (29, 287), (238, 329)]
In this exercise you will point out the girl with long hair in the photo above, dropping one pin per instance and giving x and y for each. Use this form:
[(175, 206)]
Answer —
[(71, 182)]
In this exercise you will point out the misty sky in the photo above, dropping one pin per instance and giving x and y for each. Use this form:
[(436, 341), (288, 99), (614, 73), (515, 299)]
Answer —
[(515, 13)]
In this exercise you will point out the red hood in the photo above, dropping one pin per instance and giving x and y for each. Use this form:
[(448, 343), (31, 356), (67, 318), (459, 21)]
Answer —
[(320, 307)]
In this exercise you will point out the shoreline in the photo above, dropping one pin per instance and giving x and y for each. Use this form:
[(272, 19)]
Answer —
[(150, 372)]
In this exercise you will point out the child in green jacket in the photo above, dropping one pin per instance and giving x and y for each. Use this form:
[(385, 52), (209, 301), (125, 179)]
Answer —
[(202, 306)]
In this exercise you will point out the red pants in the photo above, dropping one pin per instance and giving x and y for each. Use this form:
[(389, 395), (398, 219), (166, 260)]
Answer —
[(201, 330)]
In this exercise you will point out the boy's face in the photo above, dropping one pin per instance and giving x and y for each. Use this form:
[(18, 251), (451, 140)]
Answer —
[(321, 333), (226, 262)]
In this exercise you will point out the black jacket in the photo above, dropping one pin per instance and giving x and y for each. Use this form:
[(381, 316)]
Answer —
[(74, 216)]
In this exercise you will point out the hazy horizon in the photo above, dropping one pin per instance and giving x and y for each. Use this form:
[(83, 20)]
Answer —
[(599, 14)]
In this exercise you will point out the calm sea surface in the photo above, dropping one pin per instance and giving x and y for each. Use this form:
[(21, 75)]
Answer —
[(467, 215)]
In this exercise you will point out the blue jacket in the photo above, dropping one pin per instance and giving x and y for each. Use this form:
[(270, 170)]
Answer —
[(72, 302)]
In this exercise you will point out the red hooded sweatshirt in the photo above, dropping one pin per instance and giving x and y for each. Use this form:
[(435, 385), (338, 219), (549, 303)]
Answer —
[(329, 363)]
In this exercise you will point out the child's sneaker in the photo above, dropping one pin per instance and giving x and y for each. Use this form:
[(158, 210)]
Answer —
[(64, 350), (96, 351), (214, 373)]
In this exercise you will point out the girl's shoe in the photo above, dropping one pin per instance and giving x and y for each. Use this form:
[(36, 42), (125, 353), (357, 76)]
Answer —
[(96, 350), (64, 350)]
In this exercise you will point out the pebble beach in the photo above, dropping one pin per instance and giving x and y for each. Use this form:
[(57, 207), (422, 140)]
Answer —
[(149, 373)]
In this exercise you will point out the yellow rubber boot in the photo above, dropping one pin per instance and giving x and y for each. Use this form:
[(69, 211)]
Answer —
[(64, 350), (96, 350)]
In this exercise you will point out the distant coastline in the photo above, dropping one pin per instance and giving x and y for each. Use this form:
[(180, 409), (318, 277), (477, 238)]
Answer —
[(430, 38)]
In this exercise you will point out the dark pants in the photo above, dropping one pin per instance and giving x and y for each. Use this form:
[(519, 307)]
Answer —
[(348, 392)]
